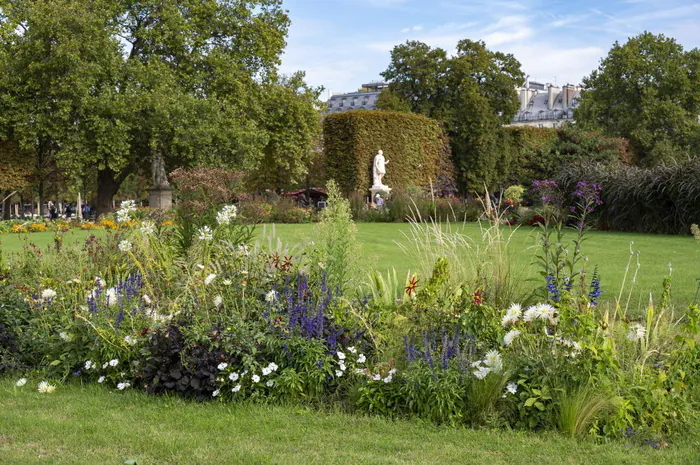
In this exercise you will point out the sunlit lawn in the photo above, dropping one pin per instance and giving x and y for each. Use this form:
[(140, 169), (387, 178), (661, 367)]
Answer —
[(94, 425), (608, 250)]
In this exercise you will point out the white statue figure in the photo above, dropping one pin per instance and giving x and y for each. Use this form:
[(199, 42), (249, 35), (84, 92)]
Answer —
[(379, 169)]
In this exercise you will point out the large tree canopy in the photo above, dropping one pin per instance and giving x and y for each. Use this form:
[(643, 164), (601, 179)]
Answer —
[(646, 91), (107, 85), (472, 93)]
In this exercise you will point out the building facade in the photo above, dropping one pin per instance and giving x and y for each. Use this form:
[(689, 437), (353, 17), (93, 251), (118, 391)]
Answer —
[(546, 106), (363, 99)]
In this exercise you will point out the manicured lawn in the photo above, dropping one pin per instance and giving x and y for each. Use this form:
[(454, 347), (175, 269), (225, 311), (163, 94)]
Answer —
[(91, 424), (609, 251)]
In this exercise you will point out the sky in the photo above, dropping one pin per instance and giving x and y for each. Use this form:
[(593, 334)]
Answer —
[(341, 44)]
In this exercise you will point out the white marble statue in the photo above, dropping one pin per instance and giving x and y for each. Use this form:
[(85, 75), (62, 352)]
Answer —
[(379, 169)]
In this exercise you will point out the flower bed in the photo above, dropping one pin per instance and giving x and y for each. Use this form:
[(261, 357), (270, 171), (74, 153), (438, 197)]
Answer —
[(195, 310)]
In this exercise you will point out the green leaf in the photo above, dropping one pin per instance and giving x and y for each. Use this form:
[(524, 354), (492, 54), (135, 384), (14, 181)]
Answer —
[(530, 401)]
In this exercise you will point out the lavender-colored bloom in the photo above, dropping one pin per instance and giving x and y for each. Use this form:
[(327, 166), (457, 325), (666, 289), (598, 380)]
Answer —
[(554, 293), (595, 292)]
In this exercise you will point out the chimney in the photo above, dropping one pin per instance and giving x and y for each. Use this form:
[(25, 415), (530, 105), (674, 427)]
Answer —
[(569, 91), (552, 93)]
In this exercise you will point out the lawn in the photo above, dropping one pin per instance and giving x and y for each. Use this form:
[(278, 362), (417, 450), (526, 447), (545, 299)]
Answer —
[(610, 251), (91, 424)]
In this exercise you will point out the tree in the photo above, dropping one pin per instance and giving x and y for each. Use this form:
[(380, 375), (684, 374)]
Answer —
[(117, 83), (15, 170), (646, 91), (472, 93)]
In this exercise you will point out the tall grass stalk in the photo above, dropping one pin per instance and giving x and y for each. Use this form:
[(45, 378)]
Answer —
[(578, 410)]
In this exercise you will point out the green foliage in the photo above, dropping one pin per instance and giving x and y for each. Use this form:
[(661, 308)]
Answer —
[(578, 410), (414, 146), (644, 90)]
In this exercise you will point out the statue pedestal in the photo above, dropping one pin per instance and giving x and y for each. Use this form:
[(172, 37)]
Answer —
[(160, 197), (383, 191)]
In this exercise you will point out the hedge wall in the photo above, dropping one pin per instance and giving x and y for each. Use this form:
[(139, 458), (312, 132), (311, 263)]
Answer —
[(415, 146)]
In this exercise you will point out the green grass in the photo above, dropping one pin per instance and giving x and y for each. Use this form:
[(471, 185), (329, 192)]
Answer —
[(91, 424), (610, 251)]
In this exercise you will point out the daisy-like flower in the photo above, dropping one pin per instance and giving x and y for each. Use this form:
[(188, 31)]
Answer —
[(512, 315), (234, 376), (21, 382), (45, 387), (236, 388), (270, 383), (494, 361), (122, 386), (255, 378), (341, 355), (48, 294), (271, 296), (339, 373), (637, 332), (125, 246), (215, 393), (111, 296), (546, 312), (512, 388), (148, 228), (147, 299), (114, 362), (510, 336), (227, 282), (218, 300), (361, 358), (530, 314), (226, 214), (209, 279), (222, 366), (89, 365), (130, 340), (101, 379), (205, 234), (481, 372), (64, 336)]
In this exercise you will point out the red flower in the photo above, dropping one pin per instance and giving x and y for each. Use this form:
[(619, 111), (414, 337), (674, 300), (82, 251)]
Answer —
[(412, 286), (478, 298)]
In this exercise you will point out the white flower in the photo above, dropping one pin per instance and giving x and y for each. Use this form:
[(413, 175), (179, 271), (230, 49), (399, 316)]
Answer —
[(361, 358), (530, 314), (148, 228), (377, 377), (125, 246), (266, 371), (271, 296), (339, 373), (122, 386), (106, 364), (218, 300), (45, 387), (48, 294), (147, 299), (222, 366), (359, 371), (352, 350), (130, 340), (113, 362), (64, 336), (125, 210), (201, 267), (546, 312), (494, 361), (510, 336), (342, 366), (341, 355), (101, 379), (215, 393), (236, 388), (255, 378), (512, 315), (227, 282), (21, 382), (205, 234), (89, 365), (481, 372), (226, 214), (100, 282), (512, 388), (273, 366), (392, 371), (209, 279), (637, 332), (111, 296), (270, 383), (387, 379), (233, 376)]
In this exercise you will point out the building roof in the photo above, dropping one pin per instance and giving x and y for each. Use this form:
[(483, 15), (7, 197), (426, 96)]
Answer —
[(353, 101)]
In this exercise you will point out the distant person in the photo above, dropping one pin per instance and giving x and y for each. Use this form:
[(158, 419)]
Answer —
[(69, 210), (86, 211), (378, 201), (53, 214)]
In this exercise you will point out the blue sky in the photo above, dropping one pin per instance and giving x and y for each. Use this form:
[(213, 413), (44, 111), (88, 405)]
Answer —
[(344, 43)]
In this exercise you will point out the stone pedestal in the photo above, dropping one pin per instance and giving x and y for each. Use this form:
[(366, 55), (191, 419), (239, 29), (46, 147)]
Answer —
[(383, 191), (161, 197)]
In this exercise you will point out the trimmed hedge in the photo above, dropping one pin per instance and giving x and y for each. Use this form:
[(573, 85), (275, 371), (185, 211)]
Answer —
[(415, 146)]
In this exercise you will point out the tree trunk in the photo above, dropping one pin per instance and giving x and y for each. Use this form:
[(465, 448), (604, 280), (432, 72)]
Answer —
[(42, 212), (107, 187), (6, 206)]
